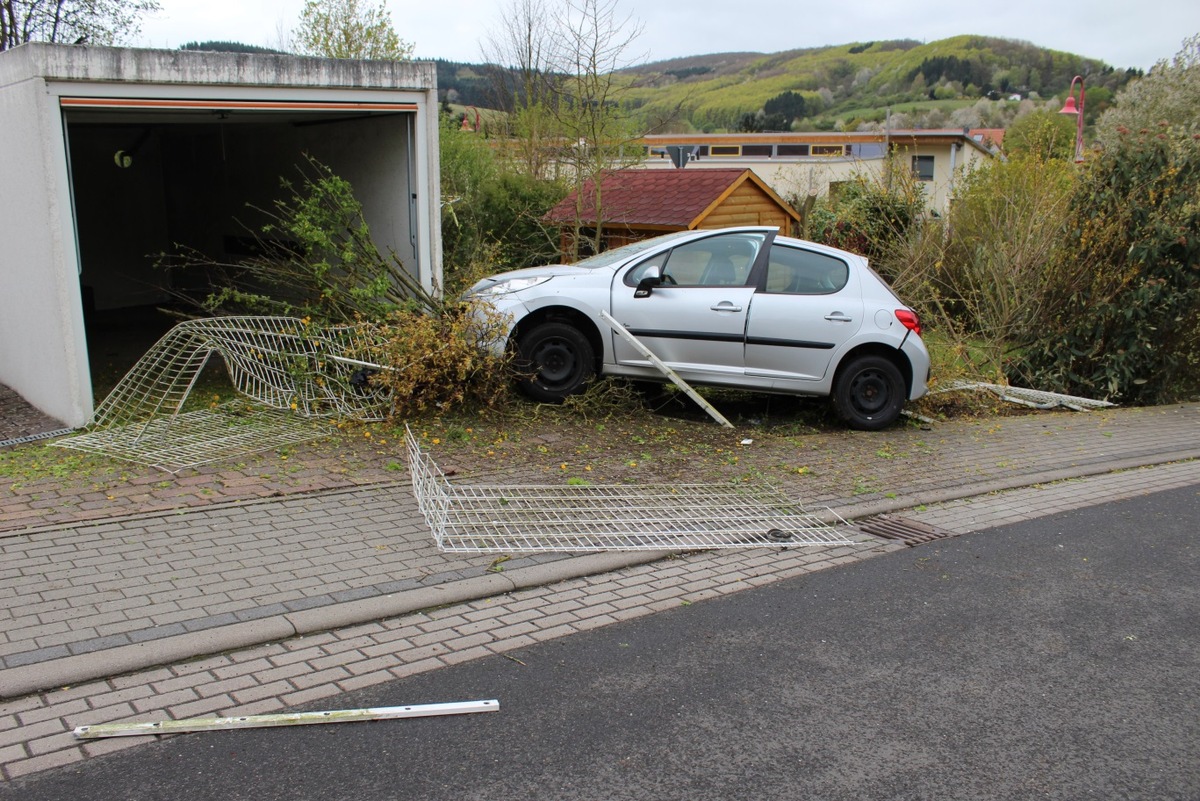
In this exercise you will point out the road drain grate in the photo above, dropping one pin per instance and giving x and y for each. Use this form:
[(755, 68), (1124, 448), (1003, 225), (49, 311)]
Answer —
[(910, 532), (4, 443)]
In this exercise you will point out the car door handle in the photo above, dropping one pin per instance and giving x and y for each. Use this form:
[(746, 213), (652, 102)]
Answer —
[(726, 306), (838, 317)]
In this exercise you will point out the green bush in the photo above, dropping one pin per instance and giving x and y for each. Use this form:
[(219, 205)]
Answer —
[(999, 273), (491, 214), (869, 213), (1130, 331), (1045, 134)]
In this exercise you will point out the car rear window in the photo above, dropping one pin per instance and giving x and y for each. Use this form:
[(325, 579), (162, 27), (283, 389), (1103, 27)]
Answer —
[(802, 272)]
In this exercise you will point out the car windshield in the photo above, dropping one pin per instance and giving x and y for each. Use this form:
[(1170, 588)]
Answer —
[(610, 257)]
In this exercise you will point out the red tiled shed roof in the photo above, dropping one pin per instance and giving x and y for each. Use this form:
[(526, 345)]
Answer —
[(653, 197)]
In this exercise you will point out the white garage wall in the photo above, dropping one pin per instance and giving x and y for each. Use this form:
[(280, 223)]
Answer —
[(42, 342), (43, 354)]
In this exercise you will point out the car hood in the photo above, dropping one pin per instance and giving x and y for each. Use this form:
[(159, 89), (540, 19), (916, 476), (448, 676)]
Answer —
[(548, 271)]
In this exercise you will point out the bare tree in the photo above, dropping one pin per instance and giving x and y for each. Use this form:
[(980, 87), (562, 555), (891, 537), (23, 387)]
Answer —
[(559, 64), (592, 44), (520, 52), (349, 29), (99, 22)]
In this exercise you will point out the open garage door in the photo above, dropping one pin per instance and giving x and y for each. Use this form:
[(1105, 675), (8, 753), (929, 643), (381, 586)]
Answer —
[(150, 174)]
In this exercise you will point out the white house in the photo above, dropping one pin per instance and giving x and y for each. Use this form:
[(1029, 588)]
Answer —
[(111, 155), (802, 164)]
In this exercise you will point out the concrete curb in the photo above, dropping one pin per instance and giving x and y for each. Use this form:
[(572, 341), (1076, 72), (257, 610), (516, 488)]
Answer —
[(42, 676), (73, 670)]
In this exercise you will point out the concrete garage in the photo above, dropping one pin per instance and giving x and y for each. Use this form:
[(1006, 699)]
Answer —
[(114, 155)]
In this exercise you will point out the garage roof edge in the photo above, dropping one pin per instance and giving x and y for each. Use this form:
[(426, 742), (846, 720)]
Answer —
[(53, 62)]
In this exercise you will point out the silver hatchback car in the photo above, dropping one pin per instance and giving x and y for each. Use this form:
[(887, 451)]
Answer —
[(735, 307)]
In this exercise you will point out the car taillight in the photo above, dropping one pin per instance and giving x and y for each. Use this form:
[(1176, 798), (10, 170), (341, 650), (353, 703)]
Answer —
[(909, 320)]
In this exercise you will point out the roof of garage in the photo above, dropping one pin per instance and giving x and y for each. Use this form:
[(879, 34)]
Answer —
[(135, 65)]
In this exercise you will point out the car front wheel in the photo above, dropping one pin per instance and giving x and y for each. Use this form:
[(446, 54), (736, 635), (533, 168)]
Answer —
[(869, 393), (555, 361)]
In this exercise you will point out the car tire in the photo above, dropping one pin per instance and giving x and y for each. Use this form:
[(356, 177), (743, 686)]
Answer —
[(869, 393), (555, 361)]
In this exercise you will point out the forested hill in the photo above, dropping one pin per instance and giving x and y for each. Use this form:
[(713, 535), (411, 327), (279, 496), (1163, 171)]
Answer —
[(841, 86)]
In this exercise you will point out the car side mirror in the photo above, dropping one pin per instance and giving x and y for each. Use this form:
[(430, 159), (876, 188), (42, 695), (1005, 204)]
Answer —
[(646, 286), (649, 281)]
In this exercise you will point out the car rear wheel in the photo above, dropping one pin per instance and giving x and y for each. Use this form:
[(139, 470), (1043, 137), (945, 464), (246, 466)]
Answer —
[(869, 393), (555, 361)]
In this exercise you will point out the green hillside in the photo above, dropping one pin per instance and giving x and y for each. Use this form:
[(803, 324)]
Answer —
[(856, 82), (841, 86)]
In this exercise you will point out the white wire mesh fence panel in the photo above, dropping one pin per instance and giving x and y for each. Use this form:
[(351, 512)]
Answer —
[(476, 518), (1029, 397), (200, 437), (281, 363)]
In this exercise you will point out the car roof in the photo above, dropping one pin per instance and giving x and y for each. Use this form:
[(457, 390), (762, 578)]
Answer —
[(619, 255)]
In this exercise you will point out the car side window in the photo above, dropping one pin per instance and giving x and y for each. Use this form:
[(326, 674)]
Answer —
[(723, 260), (639, 272), (794, 271)]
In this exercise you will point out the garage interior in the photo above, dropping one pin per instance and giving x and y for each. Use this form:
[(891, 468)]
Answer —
[(145, 181)]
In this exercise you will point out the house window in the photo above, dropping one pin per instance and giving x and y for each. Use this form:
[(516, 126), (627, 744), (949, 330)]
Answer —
[(829, 150), (725, 150), (757, 150), (922, 167), (868, 150), (792, 150)]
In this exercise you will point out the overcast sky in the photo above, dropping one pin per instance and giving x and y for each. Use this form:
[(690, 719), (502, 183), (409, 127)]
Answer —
[(1119, 32)]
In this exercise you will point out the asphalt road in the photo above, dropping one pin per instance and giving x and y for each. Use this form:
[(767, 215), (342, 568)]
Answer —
[(1053, 659)]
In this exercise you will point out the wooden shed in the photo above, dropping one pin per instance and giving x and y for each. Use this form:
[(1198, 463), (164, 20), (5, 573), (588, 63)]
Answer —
[(638, 204)]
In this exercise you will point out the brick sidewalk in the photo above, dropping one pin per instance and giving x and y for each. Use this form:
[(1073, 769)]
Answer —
[(87, 598), (107, 595), (821, 469), (297, 673)]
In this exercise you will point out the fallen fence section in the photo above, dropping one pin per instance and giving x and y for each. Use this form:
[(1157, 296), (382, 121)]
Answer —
[(283, 719), (636, 517), (290, 370), (1034, 398), (191, 439)]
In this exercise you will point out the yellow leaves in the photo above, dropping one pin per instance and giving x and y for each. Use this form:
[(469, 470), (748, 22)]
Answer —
[(437, 362)]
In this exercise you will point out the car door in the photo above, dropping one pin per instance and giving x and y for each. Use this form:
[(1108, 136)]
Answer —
[(808, 306), (695, 319)]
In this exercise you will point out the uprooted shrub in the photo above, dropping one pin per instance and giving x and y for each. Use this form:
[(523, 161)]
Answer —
[(315, 259), (439, 361)]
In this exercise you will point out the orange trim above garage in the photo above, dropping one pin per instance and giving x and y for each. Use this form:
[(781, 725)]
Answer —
[(229, 105)]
